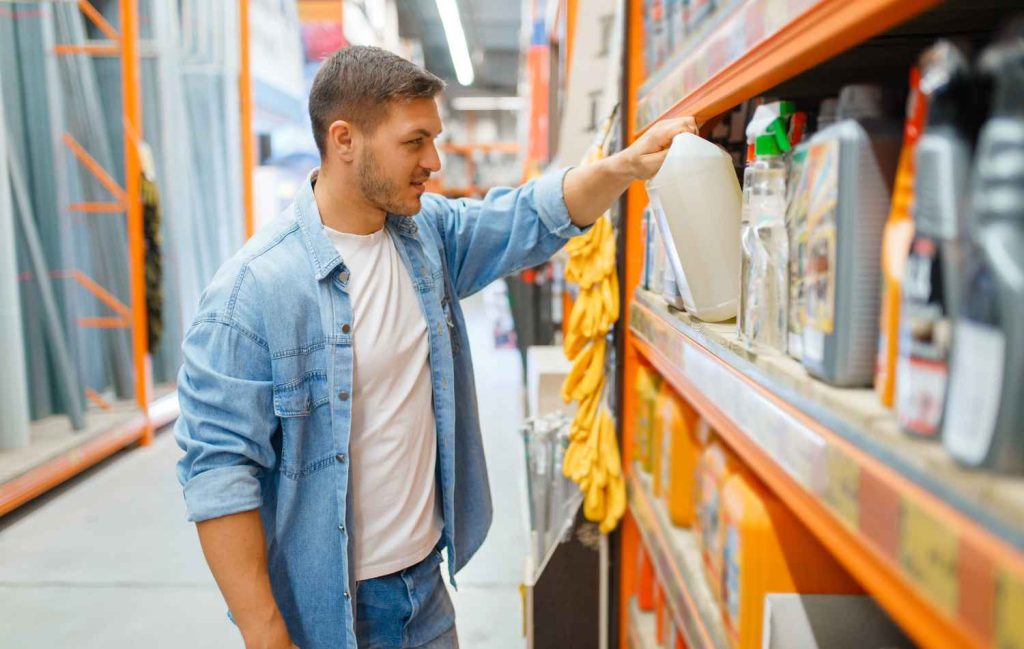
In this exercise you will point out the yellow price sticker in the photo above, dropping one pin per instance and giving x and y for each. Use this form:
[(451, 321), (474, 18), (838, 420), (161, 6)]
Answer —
[(841, 488), (929, 552), (1010, 611)]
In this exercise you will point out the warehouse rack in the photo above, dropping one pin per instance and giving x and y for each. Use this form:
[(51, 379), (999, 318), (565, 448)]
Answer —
[(122, 426), (939, 547)]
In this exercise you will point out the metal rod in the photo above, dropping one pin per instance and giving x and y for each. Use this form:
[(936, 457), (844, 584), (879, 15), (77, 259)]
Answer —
[(14, 416), (245, 122), (66, 376)]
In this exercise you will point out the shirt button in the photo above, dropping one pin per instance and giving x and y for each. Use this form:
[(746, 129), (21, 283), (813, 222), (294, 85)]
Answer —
[(347, 596), (345, 328), (340, 457), (343, 395), (341, 528)]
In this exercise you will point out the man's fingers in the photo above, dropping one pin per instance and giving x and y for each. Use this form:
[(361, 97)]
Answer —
[(652, 162), (669, 128)]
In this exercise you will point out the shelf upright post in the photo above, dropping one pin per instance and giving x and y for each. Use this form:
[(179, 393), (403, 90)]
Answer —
[(632, 245), (245, 118), (131, 104)]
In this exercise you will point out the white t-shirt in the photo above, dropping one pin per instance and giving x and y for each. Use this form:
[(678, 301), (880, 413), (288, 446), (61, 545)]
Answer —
[(393, 442)]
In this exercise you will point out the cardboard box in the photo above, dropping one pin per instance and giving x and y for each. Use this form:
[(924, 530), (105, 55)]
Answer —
[(828, 622), (546, 369)]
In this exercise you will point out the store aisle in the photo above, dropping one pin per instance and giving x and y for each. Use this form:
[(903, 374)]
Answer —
[(109, 561), (488, 607)]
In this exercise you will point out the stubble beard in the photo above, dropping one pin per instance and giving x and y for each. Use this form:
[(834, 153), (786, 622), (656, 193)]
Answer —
[(379, 190)]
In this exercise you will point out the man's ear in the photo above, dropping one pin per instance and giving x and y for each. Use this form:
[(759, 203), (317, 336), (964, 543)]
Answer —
[(341, 140)]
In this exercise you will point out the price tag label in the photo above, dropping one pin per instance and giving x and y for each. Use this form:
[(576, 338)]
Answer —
[(841, 488), (1010, 611), (929, 554)]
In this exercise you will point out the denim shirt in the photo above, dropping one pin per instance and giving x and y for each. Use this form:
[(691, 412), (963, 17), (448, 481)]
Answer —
[(265, 388)]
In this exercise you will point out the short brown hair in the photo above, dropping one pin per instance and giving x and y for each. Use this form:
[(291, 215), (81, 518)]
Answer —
[(356, 84)]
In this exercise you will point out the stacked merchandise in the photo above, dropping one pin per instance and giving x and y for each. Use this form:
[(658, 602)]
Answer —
[(552, 500), (673, 27), (751, 544), (876, 259)]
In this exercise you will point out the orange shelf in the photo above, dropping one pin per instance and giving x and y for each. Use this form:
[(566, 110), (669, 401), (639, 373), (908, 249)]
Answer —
[(40, 479), (713, 78), (677, 564), (949, 570)]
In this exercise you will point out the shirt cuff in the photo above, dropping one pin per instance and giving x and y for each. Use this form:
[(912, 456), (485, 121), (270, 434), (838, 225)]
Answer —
[(221, 492), (549, 195)]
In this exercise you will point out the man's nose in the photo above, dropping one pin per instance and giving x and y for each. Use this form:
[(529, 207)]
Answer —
[(432, 161)]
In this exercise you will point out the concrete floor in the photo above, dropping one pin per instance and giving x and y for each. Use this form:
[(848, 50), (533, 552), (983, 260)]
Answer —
[(108, 560)]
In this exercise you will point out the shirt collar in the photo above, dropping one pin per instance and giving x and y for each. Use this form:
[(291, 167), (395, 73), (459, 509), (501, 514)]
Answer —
[(323, 253)]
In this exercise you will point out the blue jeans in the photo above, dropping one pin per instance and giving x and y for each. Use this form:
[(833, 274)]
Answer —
[(406, 609)]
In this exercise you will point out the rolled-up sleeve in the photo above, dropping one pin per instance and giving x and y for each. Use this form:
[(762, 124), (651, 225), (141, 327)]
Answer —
[(227, 419), (506, 231)]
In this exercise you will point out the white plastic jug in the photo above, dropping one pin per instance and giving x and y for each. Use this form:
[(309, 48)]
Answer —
[(696, 197)]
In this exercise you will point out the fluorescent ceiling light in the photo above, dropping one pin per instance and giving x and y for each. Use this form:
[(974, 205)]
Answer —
[(449, 10), (488, 103)]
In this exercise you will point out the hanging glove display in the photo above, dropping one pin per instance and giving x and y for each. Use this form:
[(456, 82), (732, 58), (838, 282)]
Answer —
[(592, 459)]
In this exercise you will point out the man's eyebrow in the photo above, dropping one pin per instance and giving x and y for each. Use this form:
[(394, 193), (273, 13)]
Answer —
[(425, 133)]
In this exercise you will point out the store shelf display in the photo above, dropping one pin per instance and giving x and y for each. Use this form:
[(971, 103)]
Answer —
[(931, 531)]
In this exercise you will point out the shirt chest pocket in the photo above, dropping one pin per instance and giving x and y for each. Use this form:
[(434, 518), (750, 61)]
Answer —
[(307, 441)]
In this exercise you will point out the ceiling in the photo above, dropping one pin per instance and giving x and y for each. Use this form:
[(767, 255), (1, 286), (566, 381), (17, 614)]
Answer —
[(492, 34)]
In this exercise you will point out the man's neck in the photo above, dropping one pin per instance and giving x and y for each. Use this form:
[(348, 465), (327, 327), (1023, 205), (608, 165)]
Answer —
[(344, 209)]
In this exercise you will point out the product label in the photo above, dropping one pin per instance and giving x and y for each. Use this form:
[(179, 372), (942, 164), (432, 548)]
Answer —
[(925, 337), (796, 224), (731, 580), (1009, 604), (822, 169), (976, 384), (842, 485), (929, 554), (814, 345), (709, 525)]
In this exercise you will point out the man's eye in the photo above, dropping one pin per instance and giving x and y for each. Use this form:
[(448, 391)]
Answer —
[(416, 142)]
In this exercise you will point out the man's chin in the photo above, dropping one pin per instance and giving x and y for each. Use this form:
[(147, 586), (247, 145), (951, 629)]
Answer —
[(411, 207)]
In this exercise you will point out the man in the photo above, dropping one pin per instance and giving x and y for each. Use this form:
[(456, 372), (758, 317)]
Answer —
[(328, 414)]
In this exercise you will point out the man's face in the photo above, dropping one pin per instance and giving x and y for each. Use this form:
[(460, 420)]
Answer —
[(397, 159)]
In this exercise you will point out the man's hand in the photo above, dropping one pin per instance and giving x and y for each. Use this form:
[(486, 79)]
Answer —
[(645, 156), (591, 189), (272, 635)]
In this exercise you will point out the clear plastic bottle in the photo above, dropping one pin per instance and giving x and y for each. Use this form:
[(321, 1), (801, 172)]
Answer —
[(768, 288)]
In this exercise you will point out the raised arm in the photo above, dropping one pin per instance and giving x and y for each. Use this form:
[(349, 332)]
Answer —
[(591, 189)]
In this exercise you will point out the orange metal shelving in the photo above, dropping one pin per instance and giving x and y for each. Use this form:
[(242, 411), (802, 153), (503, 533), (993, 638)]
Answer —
[(973, 595), (123, 42), (825, 29)]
